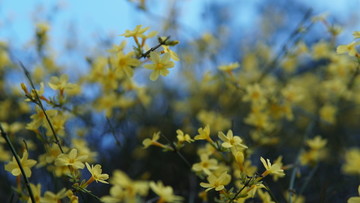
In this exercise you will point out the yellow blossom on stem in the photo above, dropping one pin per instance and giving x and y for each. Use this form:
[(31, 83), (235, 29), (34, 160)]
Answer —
[(217, 183), (173, 55), (61, 83), (50, 197), (137, 32), (183, 138), (160, 65), (154, 141), (348, 48), (72, 159), (26, 164), (96, 174), (231, 141), (165, 193), (206, 165), (124, 63), (274, 169), (204, 134)]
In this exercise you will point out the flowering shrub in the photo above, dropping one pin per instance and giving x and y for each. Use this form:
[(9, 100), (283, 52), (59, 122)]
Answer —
[(270, 127)]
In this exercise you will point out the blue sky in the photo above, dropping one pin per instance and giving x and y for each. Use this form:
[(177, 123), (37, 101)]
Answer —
[(114, 16)]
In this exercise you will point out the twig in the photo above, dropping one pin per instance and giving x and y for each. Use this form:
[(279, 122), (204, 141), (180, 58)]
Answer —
[(39, 103), (243, 187), (27, 183), (144, 55), (284, 48), (177, 151), (113, 132), (297, 162)]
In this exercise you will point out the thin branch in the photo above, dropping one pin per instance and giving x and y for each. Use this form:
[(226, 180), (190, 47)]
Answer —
[(284, 48), (146, 54), (309, 129), (27, 183), (39, 103), (113, 132), (243, 187)]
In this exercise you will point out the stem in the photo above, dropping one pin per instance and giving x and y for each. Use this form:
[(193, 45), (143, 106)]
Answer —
[(144, 55), (297, 162), (284, 48), (238, 193), (308, 178), (39, 103), (113, 132), (27, 183), (177, 152)]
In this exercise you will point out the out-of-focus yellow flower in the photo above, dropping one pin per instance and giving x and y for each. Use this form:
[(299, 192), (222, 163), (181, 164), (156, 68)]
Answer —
[(352, 162), (137, 32), (61, 84), (206, 165), (347, 48), (173, 55), (255, 94), (316, 143), (356, 34), (229, 67), (183, 137), (124, 63), (26, 164), (50, 197), (165, 193), (71, 159), (217, 183), (160, 65), (328, 113)]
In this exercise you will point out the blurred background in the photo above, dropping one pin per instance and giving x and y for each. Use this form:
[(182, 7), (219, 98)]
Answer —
[(80, 30)]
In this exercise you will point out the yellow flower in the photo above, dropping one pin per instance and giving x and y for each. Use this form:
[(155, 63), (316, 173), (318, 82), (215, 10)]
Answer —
[(72, 159), (165, 193), (160, 65), (173, 55), (271, 168), (39, 118), (61, 84), (153, 141), (183, 138), (356, 34), (26, 164), (352, 162), (36, 189), (229, 67), (205, 165), (50, 197), (316, 143), (204, 134), (96, 174), (217, 183), (255, 94), (348, 48), (124, 63), (231, 141), (137, 32)]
